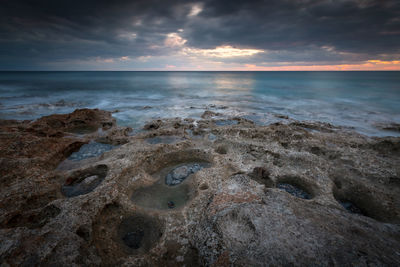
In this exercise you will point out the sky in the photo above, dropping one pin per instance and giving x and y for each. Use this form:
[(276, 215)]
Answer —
[(200, 35)]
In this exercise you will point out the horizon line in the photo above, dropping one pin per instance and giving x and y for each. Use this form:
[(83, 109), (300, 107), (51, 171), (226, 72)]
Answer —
[(200, 70)]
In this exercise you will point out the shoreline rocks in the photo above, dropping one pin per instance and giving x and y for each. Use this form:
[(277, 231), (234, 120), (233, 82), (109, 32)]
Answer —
[(284, 194)]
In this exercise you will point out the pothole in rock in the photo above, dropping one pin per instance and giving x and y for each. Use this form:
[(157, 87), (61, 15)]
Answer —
[(83, 182), (90, 150), (174, 185), (203, 187), (163, 139), (138, 233), (365, 198), (294, 190), (297, 186), (352, 202), (118, 233), (226, 122), (163, 197), (173, 188)]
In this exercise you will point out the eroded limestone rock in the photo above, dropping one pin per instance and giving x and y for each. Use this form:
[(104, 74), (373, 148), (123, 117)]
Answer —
[(233, 213)]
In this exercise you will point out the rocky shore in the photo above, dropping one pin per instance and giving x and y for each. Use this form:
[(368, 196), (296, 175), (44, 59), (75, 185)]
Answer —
[(78, 190)]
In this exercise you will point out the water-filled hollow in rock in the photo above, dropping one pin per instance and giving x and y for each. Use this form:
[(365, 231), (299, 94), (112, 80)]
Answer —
[(93, 149), (161, 196), (226, 122), (118, 232), (83, 182), (294, 190), (173, 187)]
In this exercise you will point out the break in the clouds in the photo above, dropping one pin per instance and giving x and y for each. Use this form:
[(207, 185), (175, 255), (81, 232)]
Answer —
[(200, 35)]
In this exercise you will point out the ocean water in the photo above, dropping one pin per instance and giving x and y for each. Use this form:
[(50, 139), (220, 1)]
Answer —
[(357, 100)]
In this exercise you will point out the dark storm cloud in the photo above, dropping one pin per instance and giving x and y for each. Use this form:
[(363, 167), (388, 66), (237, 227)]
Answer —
[(350, 26), (33, 33)]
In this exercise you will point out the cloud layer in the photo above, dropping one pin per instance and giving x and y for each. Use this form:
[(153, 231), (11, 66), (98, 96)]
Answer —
[(206, 35)]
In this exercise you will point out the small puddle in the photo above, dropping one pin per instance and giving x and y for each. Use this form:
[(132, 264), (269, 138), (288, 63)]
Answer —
[(193, 135), (212, 137), (164, 139), (84, 182), (226, 122), (162, 197), (91, 150), (294, 191), (173, 188)]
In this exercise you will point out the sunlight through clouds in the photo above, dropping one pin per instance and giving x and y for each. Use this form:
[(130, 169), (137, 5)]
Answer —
[(196, 9), (174, 40), (221, 52)]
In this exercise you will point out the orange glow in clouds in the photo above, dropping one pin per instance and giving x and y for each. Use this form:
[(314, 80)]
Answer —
[(368, 65)]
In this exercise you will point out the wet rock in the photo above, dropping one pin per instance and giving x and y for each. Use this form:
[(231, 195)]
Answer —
[(391, 126), (179, 174), (281, 116), (154, 125), (209, 114), (81, 121)]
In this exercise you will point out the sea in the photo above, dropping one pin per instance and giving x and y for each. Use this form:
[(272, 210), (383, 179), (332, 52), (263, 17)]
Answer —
[(357, 101)]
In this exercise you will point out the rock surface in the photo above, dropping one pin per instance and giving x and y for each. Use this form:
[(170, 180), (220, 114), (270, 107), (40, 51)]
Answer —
[(237, 215)]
